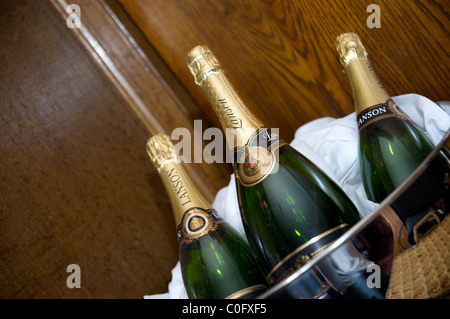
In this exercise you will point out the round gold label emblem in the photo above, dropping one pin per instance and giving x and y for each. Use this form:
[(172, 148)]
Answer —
[(197, 222), (255, 164)]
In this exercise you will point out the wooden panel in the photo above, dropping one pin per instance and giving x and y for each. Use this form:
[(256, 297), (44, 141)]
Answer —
[(151, 90), (280, 55), (76, 185)]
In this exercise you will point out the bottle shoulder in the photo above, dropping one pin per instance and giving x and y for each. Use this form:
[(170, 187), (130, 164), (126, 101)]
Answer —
[(395, 129), (204, 226)]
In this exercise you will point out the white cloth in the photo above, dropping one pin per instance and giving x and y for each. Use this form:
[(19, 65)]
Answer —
[(332, 144)]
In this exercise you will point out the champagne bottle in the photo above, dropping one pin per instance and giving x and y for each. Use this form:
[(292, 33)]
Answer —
[(290, 209), (215, 260), (391, 146)]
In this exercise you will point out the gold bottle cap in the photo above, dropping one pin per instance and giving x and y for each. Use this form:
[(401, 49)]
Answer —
[(160, 149), (348, 47), (201, 61)]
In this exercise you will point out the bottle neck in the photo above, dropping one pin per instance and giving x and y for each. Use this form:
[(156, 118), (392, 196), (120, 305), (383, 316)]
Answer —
[(236, 120), (367, 89), (183, 194)]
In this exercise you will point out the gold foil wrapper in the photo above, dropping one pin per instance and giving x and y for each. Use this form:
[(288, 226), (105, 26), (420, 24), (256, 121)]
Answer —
[(348, 47), (182, 192), (160, 149), (201, 61), (367, 88), (225, 101)]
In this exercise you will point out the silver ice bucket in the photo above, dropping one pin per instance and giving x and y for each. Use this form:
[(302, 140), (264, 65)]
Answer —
[(366, 261)]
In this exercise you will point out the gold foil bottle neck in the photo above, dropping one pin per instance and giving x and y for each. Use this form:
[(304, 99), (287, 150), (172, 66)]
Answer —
[(367, 88), (224, 99), (160, 149), (201, 61), (348, 47), (182, 192)]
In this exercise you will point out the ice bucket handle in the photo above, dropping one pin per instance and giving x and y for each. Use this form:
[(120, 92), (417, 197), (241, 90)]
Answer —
[(424, 220)]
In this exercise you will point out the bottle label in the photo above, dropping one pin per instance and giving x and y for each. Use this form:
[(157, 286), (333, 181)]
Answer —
[(248, 293), (303, 254), (197, 222), (258, 158), (378, 112)]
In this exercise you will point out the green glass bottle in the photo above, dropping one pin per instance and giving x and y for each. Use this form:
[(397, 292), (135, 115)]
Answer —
[(391, 146), (215, 260), (290, 209)]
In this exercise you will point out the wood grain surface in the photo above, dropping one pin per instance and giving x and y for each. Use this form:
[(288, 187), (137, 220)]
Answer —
[(280, 55), (152, 92)]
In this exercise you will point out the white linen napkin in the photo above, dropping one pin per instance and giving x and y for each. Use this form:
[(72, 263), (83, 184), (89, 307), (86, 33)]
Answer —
[(332, 144)]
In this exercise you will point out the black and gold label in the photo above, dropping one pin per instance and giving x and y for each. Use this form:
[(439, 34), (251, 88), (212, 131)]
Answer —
[(258, 158), (197, 222), (303, 254), (378, 112)]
